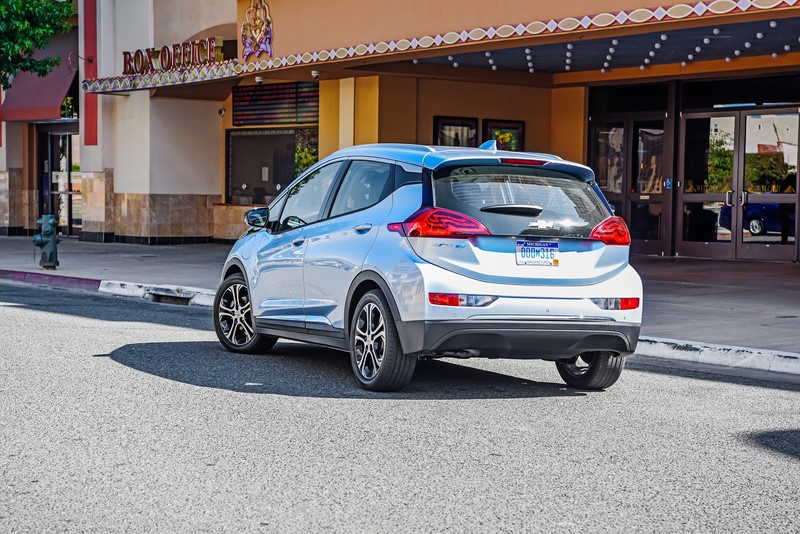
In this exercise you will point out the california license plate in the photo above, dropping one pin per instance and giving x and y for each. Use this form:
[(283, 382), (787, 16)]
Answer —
[(537, 253)]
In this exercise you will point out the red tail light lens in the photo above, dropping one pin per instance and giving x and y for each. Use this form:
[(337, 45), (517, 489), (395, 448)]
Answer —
[(519, 161), (439, 222), (612, 231), (628, 304)]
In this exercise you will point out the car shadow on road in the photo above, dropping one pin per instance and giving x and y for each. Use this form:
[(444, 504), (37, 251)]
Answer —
[(783, 441), (296, 369)]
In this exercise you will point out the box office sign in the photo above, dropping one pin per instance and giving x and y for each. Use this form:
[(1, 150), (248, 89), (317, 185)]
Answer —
[(175, 56)]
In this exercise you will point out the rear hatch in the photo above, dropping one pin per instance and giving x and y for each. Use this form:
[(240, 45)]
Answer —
[(519, 223)]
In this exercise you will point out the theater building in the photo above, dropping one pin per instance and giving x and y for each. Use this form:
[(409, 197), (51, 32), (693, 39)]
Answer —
[(185, 114)]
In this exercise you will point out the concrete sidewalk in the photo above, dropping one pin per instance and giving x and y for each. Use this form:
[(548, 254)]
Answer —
[(733, 314)]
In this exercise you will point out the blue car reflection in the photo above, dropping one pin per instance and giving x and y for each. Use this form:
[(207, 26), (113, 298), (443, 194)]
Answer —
[(760, 219)]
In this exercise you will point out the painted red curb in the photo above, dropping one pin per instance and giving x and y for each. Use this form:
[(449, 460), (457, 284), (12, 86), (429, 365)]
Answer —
[(53, 280)]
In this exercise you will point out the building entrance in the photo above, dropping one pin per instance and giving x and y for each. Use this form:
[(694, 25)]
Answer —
[(737, 185), (60, 177), (634, 171)]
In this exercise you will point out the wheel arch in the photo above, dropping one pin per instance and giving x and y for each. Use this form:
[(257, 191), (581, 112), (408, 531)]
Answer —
[(234, 265), (367, 281)]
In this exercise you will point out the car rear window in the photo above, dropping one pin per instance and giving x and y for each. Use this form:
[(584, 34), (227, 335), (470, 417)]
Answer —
[(513, 200)]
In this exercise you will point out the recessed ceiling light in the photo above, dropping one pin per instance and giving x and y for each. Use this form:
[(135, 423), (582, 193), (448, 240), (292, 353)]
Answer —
[(528, 58), (759, 35), (774, 55), (683, 63), (647, 60), (530, 70), (570, 46), (706, 41), (569, 54), (787, 47), (663, 36), (455, 64), (773, 24), (491, 62), (567, 67), (614, 42), (737, 52), (449, 58), (603, 71), (698, 49), (527, 50), (651, 54), (415, 61), (690, 57), (641, 67), (606, 64), (727, 60), (715, 31), (608, 57), (488, 54), (747, 44), (569, 61), (611, 50), (657, 46)]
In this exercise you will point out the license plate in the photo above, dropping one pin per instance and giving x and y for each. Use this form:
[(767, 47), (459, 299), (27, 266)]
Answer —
[(537, 253)]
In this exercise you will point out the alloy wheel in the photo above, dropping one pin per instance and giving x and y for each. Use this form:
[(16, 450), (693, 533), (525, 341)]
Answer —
[(234, 315), (370, 340)]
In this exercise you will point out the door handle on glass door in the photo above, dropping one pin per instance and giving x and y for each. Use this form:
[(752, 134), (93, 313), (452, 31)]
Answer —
[(729, 198), (743, 198), (363, 228)]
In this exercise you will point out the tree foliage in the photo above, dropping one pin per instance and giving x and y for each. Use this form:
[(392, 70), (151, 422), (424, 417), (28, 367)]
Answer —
[(25, 26)]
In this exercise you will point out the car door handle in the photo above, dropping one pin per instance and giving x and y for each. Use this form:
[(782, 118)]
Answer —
[(363, 228), (297, 241)]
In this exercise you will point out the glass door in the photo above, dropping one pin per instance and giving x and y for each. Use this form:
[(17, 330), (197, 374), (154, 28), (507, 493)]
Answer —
[(63, 168), (737, 188), (631, 169), (767, 195)]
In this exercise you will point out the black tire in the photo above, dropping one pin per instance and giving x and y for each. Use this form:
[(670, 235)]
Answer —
[(375, 353), (591, 370), (233, 319)]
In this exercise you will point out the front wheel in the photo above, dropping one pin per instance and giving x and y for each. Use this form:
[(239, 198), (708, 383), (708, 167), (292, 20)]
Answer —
[(591, 370), (756, 226), (375, 353), (233, 319)]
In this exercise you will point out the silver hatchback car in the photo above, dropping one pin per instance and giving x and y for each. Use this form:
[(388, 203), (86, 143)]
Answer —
[(399, 252)]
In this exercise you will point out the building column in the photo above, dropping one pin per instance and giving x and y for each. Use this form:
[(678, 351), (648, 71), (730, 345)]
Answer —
[(568, 108), (15, 197)]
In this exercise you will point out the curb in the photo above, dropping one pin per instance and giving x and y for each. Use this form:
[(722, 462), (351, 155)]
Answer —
[(193, 296), (719, 355)]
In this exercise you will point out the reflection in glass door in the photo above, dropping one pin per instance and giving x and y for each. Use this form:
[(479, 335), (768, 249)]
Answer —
[(767, 202), (66, 200), (630, 168), (737, 187)]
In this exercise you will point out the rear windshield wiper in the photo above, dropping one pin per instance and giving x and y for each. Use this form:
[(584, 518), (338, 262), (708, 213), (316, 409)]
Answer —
[(514, 209)]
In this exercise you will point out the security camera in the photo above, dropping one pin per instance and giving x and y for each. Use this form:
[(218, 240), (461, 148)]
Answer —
[(315, 74), (221, 112), (259, 80)]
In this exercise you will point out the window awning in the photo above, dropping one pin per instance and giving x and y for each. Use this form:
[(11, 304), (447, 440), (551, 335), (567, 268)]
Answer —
[(32, 98)]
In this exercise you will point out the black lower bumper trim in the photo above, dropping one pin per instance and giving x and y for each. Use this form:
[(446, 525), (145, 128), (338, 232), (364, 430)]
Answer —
[(548, 340)]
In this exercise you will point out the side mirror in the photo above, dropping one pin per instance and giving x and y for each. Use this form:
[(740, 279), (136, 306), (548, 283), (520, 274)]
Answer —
[(257, 218)]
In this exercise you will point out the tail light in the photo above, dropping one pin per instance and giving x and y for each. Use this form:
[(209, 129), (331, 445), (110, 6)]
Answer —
[(617, 303), (439, 222), (612, 231), (453, 299)]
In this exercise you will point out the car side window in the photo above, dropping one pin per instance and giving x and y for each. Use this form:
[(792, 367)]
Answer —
[(365, 184), (305, 201)]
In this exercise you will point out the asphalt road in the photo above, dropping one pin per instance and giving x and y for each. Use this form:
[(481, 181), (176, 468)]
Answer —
[(121, 415)]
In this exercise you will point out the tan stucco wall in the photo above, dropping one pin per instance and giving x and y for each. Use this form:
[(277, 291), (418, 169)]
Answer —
[(568, 126), (178, 20)]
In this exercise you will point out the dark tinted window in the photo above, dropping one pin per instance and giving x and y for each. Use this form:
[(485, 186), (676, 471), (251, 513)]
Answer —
[(365, 184), (521, 201)]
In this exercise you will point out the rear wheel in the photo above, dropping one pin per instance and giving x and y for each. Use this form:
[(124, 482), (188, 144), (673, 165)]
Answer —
[(233, 319), (591, 370), (375, 354)]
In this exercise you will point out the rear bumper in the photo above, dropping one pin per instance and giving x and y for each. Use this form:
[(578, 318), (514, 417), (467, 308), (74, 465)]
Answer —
[(547, 340)]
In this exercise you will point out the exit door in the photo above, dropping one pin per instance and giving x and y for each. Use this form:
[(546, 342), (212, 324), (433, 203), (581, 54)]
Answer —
[(60, 176), (737, 187), (633, 164)]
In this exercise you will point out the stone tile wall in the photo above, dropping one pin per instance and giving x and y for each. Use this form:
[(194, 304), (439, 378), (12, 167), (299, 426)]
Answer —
[(157, 219), (229, 221), (98, 202), (17, 205)]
